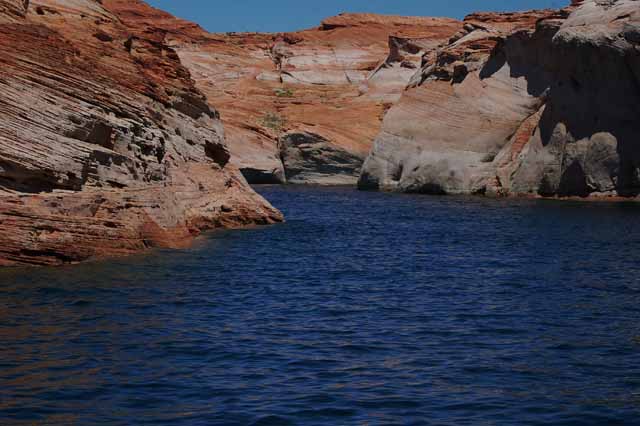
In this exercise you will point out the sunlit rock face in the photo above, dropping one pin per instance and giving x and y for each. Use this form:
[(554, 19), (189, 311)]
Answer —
[(538, 103), (335, 81), (106, 145)]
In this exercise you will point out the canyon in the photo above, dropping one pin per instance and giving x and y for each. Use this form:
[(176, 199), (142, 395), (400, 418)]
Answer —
[(497, 104), (123, 127), (304, 107)]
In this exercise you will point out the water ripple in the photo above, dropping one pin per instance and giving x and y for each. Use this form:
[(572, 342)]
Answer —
[(363, 309)]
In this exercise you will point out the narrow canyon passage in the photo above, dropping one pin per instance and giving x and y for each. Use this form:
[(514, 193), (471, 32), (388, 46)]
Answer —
[(146, 278)]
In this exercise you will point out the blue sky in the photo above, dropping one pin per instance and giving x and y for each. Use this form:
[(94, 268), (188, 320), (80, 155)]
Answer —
[(289, 15)]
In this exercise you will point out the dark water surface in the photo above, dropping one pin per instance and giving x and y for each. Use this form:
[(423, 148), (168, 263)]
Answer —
[(363, 309)]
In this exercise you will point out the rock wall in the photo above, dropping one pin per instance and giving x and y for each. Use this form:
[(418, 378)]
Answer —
[(539, 103), (335, 82), (106, 145)]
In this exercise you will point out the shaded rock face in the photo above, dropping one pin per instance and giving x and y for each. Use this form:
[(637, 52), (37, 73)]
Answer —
[(106, 146), (537, 103), (335, 81), (311, 159), (586, 141)]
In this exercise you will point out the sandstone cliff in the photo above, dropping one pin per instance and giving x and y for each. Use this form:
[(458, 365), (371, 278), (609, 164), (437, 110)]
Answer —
[(305, 107), (544, 103), (106, 145)]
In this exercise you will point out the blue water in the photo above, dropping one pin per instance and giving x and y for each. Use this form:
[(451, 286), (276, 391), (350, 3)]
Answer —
[(363, 309)]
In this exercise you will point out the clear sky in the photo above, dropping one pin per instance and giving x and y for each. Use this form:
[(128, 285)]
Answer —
[(290, 15)]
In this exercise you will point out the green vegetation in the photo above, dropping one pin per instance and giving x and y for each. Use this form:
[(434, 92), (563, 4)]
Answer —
[(284, 93), (274, 121)]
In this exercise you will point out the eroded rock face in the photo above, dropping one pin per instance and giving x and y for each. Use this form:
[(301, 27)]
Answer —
[(586, 141), (335, 81), (106, 146), (535, 103)]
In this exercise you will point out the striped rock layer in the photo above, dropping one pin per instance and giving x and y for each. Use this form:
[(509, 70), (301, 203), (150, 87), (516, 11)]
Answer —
[(106, 145), (305, 107), (541, 103)]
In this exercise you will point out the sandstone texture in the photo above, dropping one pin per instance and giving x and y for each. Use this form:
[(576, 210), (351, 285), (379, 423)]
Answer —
[(106, 145), (542, 103), (329, 85)]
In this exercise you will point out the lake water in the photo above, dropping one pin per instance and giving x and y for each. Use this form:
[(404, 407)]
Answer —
[(363, 309)]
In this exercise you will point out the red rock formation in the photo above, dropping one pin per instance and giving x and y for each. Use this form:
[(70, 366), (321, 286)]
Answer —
[(331, 84), (106, 146), (12, 10), (537, 103)]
